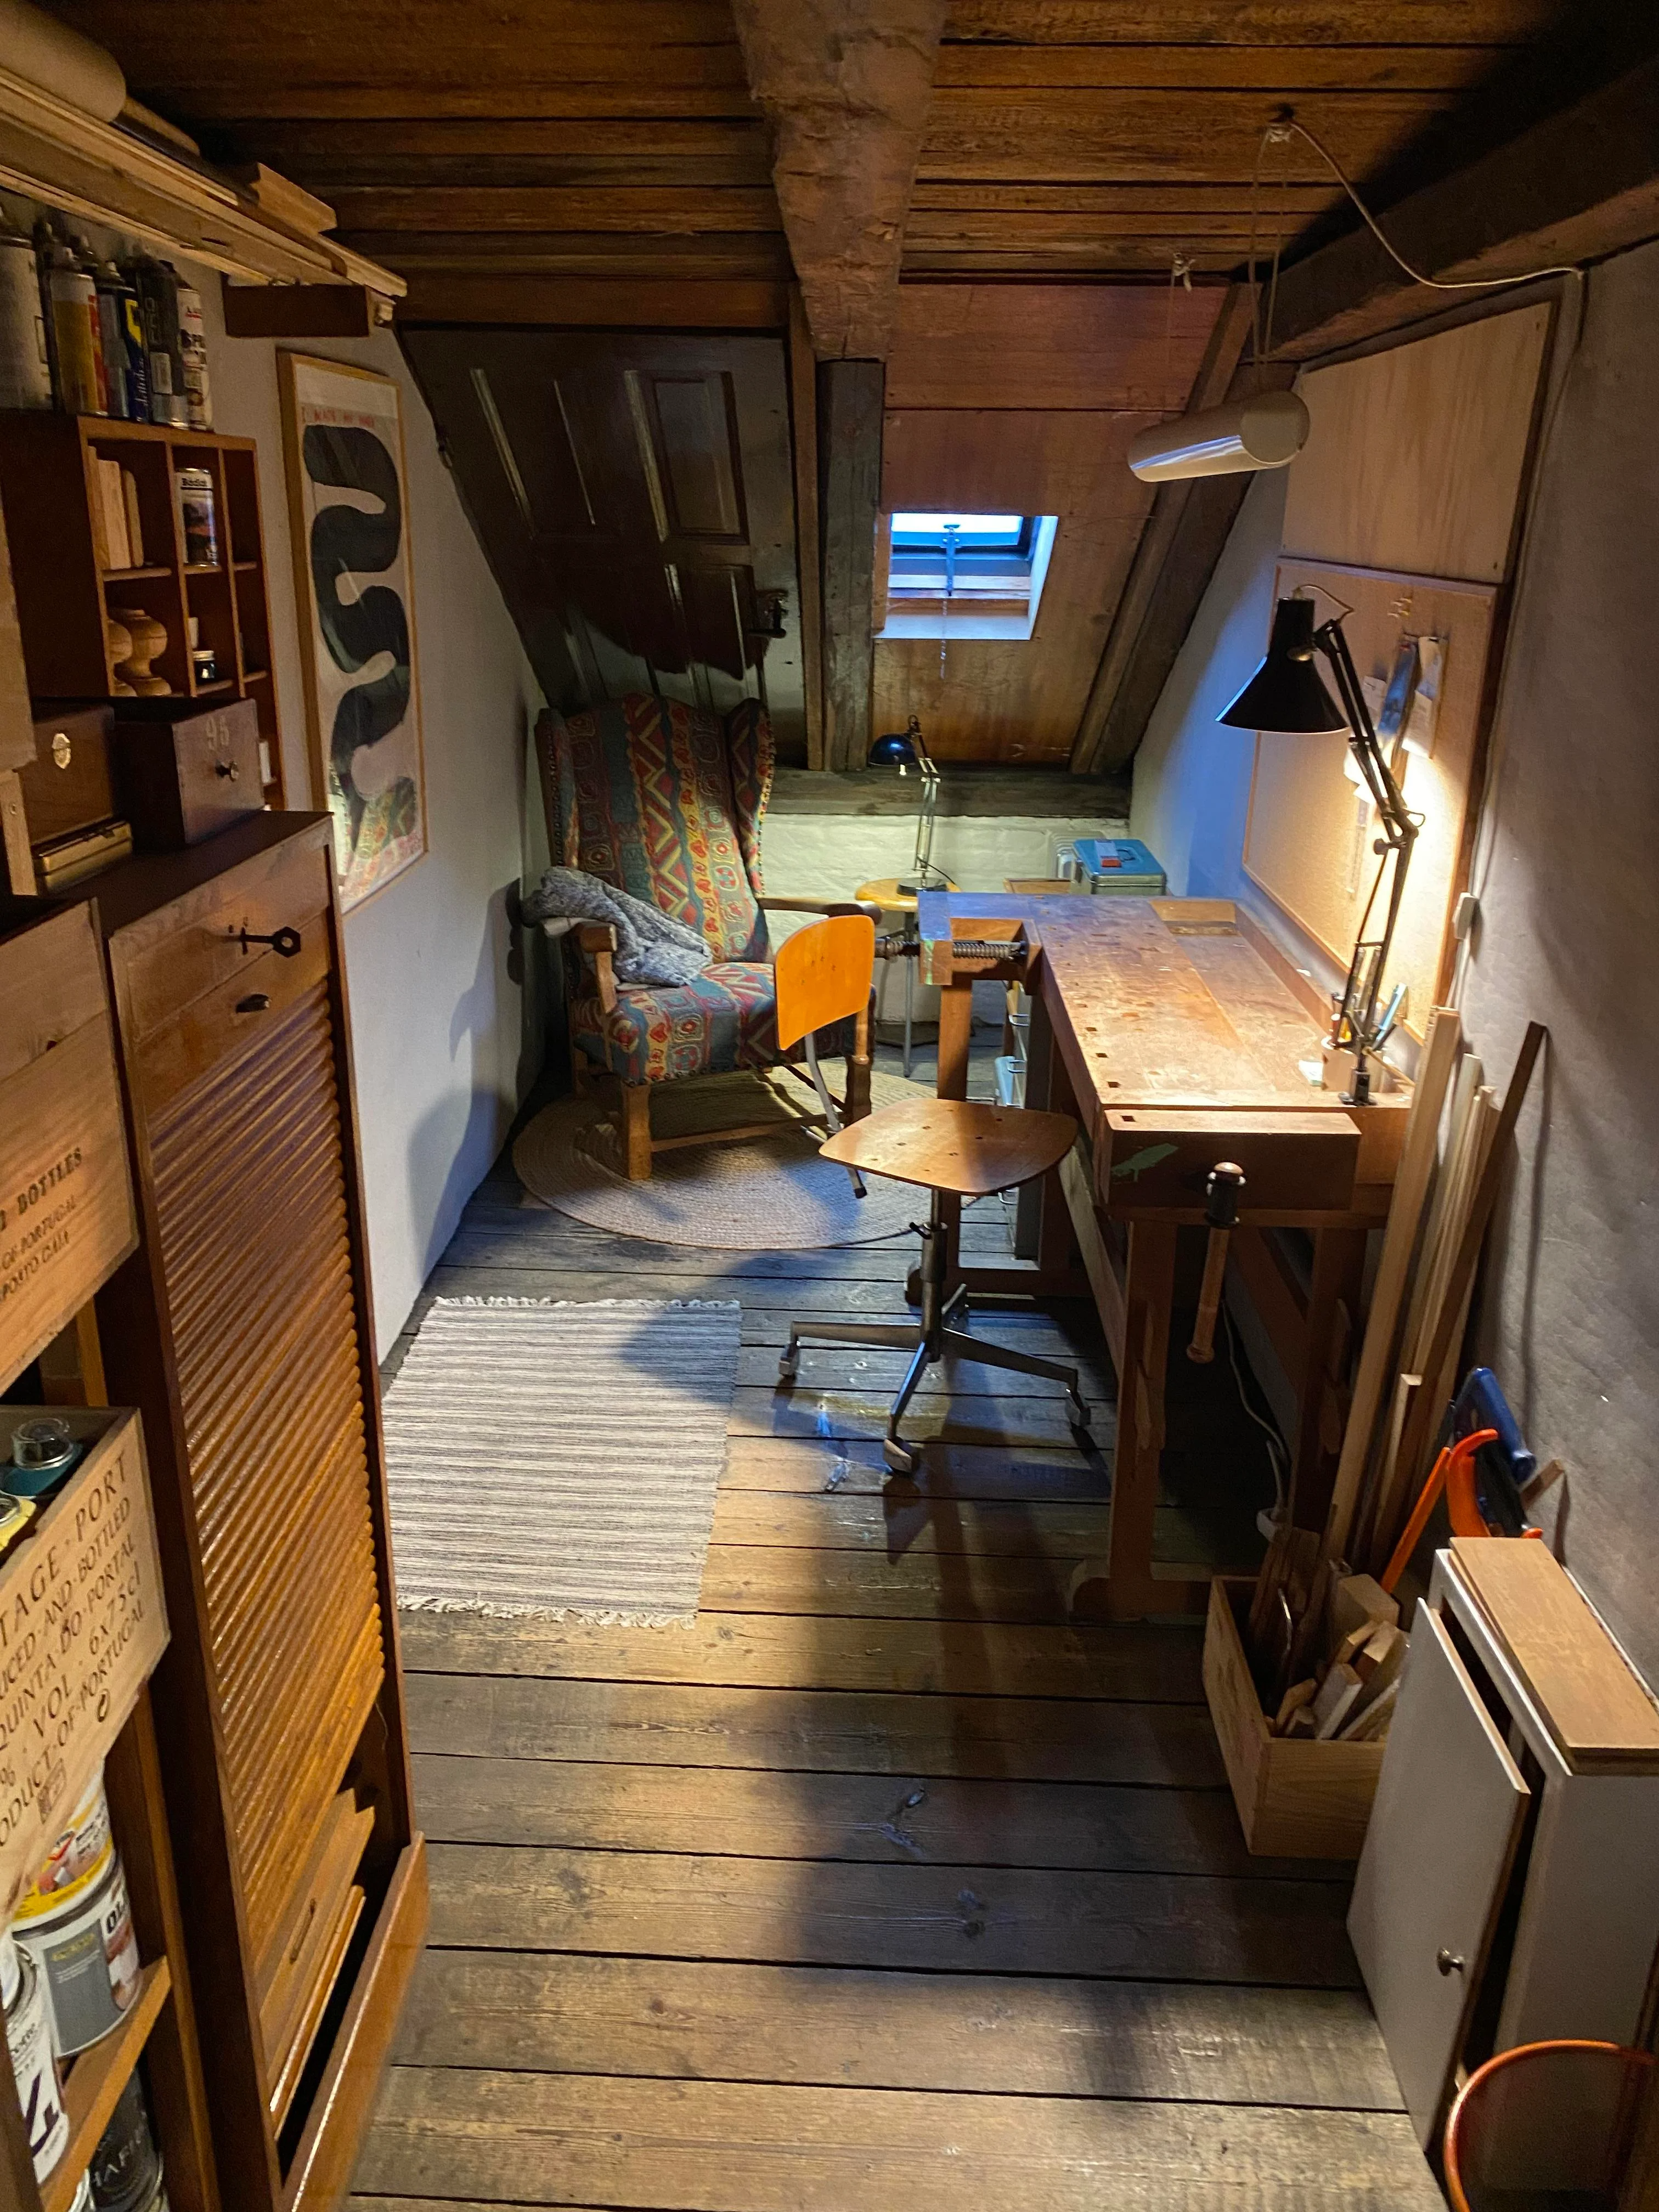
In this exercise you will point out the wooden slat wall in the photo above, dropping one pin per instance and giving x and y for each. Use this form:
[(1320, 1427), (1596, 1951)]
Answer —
[(1025, 400)]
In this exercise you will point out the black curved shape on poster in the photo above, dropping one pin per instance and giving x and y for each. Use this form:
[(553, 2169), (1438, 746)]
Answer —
[(345, 540)]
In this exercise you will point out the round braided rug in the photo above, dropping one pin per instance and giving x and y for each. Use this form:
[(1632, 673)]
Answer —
[(760, 1193)]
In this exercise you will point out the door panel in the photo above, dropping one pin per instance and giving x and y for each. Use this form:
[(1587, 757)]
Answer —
[(635, 497), (1449, 1806)]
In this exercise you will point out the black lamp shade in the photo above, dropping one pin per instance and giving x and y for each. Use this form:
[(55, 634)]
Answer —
[(1287, 691), (896, 750)]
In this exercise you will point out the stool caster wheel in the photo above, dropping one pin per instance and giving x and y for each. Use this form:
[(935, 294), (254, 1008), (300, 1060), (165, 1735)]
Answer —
[(788, 1366), (900, 1457)]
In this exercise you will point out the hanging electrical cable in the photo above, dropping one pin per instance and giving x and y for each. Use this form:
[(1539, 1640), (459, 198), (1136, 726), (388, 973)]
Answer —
[(1269, 429), (1288, 123)]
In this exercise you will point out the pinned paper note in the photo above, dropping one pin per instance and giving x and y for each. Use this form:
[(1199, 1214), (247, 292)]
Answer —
[(1416, 733)]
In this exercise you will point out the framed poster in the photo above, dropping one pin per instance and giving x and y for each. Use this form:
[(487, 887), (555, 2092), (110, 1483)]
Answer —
[(349, 513)]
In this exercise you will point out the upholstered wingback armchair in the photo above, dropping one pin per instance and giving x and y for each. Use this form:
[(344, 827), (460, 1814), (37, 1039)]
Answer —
[(666, 801)]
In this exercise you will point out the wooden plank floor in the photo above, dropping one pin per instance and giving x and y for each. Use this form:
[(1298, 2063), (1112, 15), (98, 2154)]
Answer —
[(883, 1885)]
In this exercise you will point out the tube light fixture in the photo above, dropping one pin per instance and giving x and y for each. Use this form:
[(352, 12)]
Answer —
[(1266, 431)]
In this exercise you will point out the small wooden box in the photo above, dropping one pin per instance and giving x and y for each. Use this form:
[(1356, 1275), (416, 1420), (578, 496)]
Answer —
[(1296, 1800), (67, 1218), (67, 784), (86, 1621), (186, 771)]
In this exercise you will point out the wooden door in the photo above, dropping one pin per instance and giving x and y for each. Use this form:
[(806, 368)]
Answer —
[(1448, 1810), (634, 495)]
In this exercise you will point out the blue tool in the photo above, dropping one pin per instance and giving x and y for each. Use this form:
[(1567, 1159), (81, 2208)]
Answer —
[(1503, 1467)]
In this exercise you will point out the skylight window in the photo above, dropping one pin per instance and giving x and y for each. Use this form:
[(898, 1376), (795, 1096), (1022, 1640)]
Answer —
[(966, 575)]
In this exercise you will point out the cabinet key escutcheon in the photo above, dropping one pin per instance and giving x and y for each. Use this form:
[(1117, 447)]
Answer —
[(284, 942)]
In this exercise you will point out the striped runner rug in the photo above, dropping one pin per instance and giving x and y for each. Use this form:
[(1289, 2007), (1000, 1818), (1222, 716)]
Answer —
[(548, 1458)]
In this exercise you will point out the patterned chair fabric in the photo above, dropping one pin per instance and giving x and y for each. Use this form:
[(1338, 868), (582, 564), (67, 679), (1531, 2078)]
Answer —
[(667, 803)]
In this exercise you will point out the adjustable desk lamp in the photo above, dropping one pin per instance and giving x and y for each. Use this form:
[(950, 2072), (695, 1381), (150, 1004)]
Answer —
[(906, 749), (1287, 693)]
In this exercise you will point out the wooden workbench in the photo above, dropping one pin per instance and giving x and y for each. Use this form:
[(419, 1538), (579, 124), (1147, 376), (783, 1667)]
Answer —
[(1172, 1031)]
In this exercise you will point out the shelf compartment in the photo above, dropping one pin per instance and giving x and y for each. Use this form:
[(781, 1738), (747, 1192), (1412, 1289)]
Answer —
[(94, 2082)]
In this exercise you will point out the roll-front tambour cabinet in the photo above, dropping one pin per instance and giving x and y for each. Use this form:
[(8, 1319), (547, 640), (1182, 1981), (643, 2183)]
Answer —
[(242, 1328)]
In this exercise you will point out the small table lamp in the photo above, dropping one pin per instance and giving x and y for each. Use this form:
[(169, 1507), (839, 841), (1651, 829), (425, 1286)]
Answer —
[(906, 749)]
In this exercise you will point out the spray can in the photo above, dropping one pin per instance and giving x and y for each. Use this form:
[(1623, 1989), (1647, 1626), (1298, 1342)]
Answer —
[(158, 300), (192, 343), (111, 333), (124, 366), (87, 262), (75, 333), (25, 360)]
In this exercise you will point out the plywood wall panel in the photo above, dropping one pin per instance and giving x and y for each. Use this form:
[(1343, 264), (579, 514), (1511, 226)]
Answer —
[(1416, 457)]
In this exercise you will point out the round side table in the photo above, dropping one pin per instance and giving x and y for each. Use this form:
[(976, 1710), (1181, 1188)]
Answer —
[(884, 892)]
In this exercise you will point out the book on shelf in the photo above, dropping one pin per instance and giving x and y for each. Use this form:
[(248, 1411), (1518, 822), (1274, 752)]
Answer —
[(109, 516), (135, 527)]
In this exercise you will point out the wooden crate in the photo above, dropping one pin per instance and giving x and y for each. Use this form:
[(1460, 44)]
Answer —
[(1296, 1800), (85, 1622), (66, 1204)]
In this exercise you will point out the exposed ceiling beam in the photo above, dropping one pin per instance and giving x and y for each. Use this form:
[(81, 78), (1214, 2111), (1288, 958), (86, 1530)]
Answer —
[(1574, 187), (846, 86)]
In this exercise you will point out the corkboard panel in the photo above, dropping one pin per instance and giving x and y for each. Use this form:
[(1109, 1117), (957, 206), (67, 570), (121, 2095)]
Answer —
[(1416, 457), (1308, 842)]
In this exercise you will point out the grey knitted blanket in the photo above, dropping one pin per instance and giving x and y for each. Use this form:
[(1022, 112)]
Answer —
[(652, 947)]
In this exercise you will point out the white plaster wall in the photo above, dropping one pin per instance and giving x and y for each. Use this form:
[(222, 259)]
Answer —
[(830, 855), (444, 1035), (1570, 915)]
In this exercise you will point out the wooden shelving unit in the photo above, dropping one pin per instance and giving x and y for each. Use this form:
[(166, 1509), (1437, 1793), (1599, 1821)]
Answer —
[(49, 484)]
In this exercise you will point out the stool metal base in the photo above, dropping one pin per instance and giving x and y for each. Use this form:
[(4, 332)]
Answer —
[(934, 1339)]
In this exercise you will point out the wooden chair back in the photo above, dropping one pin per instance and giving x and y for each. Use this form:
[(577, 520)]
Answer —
[(824, 974)]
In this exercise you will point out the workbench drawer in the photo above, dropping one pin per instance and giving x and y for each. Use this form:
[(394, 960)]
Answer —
[(1158, 1159)]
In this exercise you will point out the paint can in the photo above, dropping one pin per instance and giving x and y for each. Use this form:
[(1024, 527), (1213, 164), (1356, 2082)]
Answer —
[(25, 362), (87, 1957), (125, 2173), (28, 2038), (76, 1859)]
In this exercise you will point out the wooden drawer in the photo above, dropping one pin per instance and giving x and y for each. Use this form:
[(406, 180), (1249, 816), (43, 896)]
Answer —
[(67, 784), (167, 962), (187, 773)]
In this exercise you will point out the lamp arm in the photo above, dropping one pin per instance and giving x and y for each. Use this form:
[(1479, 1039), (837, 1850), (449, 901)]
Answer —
[(1389, 800), (1400, 834), (928, 812)]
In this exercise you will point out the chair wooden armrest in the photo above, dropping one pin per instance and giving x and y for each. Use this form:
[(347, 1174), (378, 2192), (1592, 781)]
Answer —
[(598, 940), (821, 906)]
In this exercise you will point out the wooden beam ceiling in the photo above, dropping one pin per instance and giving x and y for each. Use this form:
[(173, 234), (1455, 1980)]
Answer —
[(848, 85), (1049, 138), (1576, 187)]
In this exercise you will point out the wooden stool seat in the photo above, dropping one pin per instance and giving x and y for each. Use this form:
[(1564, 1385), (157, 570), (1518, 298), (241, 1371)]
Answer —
[(953, 1145)]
